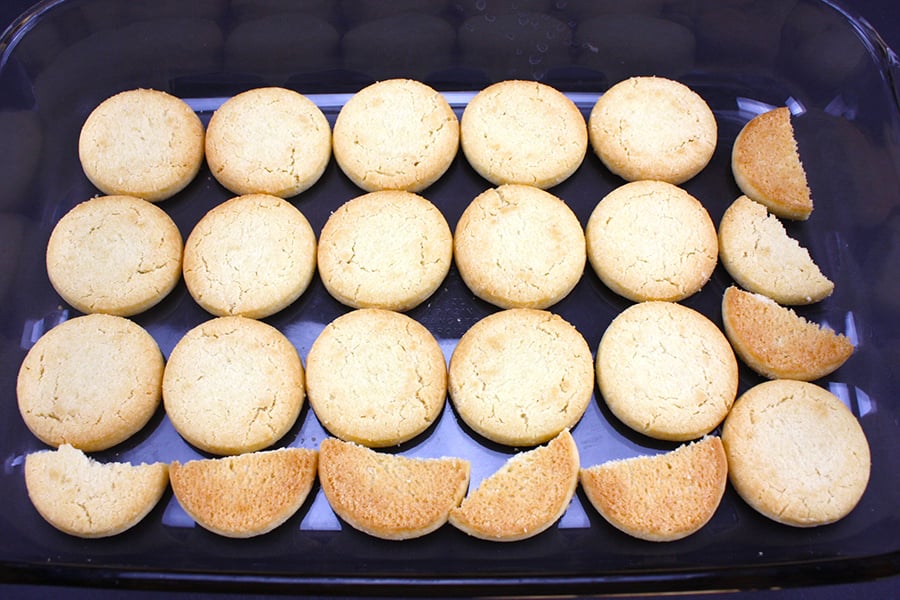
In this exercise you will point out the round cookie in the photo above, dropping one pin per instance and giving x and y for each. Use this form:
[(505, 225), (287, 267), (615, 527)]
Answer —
[(653, 128), (796, 453), (396, 134), (388, 249), (521, 376), (268, 141), (118, 255), (233, 385), (143, 143), (518, 246), (666, 371), (251, 256), (523, 132), (376, 377), (91, 382), (651, 240)]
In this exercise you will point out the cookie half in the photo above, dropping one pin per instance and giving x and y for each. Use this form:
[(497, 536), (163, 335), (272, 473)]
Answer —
[(387, 495), (523, 498), (118, 255), (517, 246), (796, 453), (143, 143), (248, 495), (660, 498), (651, 240), (89, 499), (91, 382)]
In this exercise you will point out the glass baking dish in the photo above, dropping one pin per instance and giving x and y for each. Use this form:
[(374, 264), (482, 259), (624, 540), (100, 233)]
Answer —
[(65, 56)]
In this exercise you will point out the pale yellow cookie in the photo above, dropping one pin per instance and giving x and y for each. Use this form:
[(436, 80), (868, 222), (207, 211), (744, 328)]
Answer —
[(91, 382), (767, 167), (251, 256), (666, 371), (651, 240), (233, 385), (517, 246), (389, 249), (118, 255), (758, 253), (248, 495), (376, 377), (396, 134), (88, 499), (660, 498), (143, 143), (778, 343), (525, 497), (796, 453), (653, 128), (390, 496), (521, 376), (523, 132), (268, 140)]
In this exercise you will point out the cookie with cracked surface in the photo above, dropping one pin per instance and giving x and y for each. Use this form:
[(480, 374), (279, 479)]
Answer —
[(376, 377), (233, 385), (143, 143), (398, 134), (251, 256), (523, 132), (388, 249), (651, 240), (86, 498), (758, 253), (666, 371), (247, 495), (778, 343), (521, 376), (766, 165), (653, 128), (660, 498), (517, 246), (796, 453), (91, 382), (118, 255), (525, 496), (390, 496), (268, 141)]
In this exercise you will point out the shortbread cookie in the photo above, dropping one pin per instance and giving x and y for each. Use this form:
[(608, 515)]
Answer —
[(143, 143), (389, 249), (653, 128), (521, 376), (376, 377), (660, 498), (233, 385), (525, 497), (88, 499), (767, 167), (651, 240), (251, 256), (268, 141), (666, 371), (396, 134), (523, 132), (91, 382), (387, 495), (759, 254), (778, 343), (796, 453), (248, 495), (518, 246), (118, 255)]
